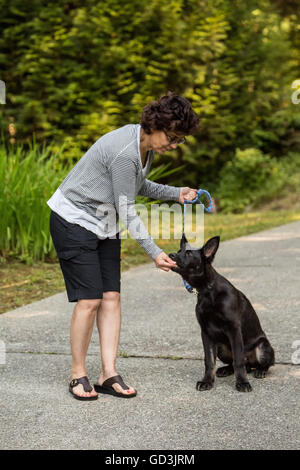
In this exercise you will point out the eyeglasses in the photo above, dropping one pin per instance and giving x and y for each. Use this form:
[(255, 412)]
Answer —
[(176, 140)]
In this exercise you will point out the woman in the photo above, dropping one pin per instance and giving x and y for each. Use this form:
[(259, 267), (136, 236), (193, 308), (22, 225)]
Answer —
[(111, 174)]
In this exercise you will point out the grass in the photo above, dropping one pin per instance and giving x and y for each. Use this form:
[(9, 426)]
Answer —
[(22, 283)]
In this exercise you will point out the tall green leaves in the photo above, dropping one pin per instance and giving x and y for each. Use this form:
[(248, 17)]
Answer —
[(27, 180)]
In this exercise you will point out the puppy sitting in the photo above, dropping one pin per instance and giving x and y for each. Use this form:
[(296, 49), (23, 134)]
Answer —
[(230, 328)]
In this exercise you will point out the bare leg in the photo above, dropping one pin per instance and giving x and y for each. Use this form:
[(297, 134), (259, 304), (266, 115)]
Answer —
[(109, 326), (81, 329)]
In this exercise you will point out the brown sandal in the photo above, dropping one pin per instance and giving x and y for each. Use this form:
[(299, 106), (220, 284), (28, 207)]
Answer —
[(107, 388), (84, 381)]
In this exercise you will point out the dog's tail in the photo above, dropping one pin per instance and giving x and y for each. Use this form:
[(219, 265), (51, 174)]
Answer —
[(264, 352)]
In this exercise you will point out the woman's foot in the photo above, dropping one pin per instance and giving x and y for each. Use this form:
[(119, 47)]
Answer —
[(117, 387), (79, 389)]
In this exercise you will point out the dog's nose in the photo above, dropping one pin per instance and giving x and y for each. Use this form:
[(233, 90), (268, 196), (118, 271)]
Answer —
[(172, 256)]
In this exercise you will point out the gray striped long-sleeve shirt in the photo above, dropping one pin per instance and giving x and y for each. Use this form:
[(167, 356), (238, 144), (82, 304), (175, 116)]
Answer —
[(111, 173)]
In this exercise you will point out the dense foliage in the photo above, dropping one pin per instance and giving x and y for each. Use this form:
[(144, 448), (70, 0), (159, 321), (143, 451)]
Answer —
[(75, 70)]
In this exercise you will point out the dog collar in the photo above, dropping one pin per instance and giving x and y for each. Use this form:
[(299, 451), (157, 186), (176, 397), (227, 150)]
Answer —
[(190, 289)]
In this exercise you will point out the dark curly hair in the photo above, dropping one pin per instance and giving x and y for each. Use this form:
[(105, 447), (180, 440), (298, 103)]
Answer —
[(172, 113)]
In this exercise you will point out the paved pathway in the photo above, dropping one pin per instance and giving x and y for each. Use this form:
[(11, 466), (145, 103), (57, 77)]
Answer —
[(159, 327)]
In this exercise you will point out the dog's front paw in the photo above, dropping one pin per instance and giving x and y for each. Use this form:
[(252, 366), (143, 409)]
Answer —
[(243, 387), (204, 386)]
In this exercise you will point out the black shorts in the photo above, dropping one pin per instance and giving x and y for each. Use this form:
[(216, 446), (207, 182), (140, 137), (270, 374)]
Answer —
[(90, 266)]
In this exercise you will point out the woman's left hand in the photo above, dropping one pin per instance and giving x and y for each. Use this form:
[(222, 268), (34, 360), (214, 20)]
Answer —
[(187, 194)]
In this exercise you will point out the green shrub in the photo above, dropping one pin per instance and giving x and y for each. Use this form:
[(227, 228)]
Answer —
[(251, 179), (76, 70)]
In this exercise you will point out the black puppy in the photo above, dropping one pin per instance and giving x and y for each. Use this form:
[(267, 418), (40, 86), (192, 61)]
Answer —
[(230, 328)]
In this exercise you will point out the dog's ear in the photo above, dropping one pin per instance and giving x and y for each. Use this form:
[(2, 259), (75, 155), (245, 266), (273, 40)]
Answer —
[(210, 248), (183, 242)]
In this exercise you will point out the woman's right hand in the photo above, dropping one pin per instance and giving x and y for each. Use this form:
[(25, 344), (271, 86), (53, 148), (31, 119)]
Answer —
[(163, 262)]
